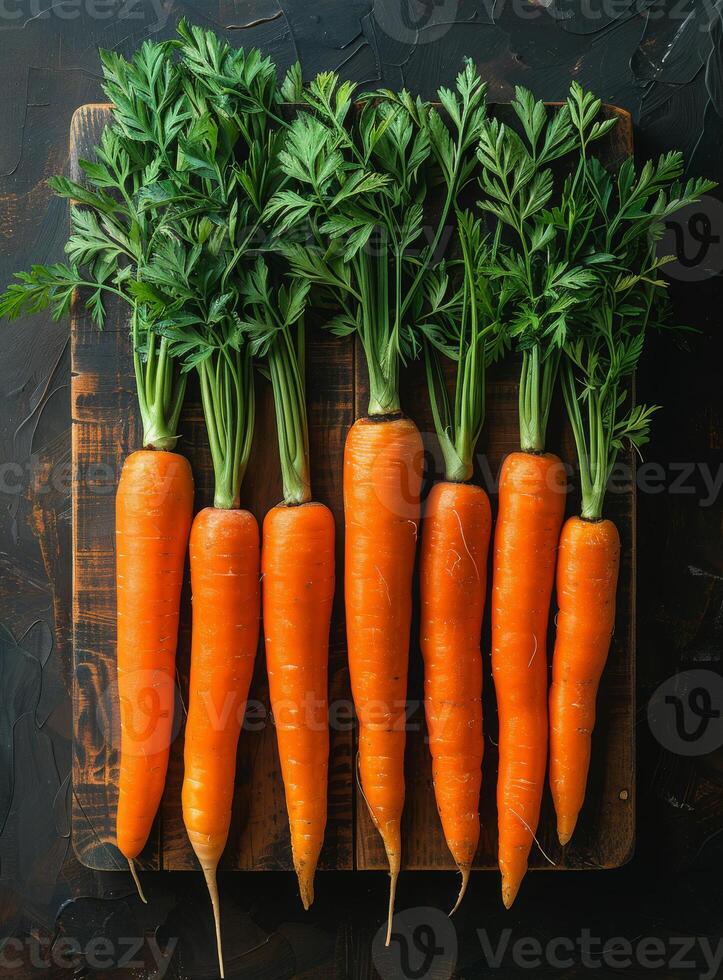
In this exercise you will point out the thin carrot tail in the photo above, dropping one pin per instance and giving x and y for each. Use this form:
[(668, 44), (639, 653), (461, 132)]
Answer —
[(305, 875), (136, 879), (566, 823), (209, 873), (464, 870), (394, 866), (510, 886)]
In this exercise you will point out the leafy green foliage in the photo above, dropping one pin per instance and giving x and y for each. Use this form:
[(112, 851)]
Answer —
[(605, 335), (356, 218)]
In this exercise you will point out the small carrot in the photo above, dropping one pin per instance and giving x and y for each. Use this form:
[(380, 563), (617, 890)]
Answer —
[(455, 543), (587, 575), (298, 576), (453, 580), (605, 342)]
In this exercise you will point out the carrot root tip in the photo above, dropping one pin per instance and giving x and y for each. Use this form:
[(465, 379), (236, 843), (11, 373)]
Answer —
[(565, 829), (464, 870), (510, 887), (136, 879), (393, 878), (306, 888), (210, 876)]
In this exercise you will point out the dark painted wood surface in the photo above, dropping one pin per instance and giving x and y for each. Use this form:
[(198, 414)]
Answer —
[(106, 427), (662, 62)]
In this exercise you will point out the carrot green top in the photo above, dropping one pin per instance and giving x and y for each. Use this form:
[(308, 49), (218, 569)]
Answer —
[(464, 305), (539, 239), (274, 323), (359, 198), (607, 333)]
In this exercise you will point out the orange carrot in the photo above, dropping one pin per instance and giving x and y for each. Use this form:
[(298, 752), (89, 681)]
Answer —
[(382, 484), (587, 575), (153, 517), (224, 552), (298, 586), (453, 579), (531, 508)]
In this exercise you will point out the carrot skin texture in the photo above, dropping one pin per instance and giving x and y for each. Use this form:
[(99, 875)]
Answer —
[(298, 595), (453, 581), (154, 506), (224, 552), (383, 462), (587, 576), (531, 509)]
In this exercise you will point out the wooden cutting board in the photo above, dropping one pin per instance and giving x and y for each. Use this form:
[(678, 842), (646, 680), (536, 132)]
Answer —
[(106, 428)]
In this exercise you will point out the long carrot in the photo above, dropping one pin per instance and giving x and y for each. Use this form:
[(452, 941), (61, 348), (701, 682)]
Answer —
[(224, 552), (298, 578), (455, 542), (154, 505), (360, 185), (224, 556), (605, 343), (531, 509), (382, 484)]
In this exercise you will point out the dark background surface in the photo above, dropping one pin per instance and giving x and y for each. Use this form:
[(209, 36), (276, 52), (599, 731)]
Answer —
[(663, 62)]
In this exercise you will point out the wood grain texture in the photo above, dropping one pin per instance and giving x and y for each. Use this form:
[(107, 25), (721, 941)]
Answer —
[(105, 429)]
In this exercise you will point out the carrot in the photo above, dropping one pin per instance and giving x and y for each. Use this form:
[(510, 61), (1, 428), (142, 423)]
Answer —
[(453, 579), (224, 552), (382, 484), (153, 516), (455, 542), (298, 580), (531, 508), (587, 575), (298, 576), (605, 342)]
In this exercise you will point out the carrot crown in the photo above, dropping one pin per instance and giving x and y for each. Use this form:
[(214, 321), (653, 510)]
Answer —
[(359, 197)]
